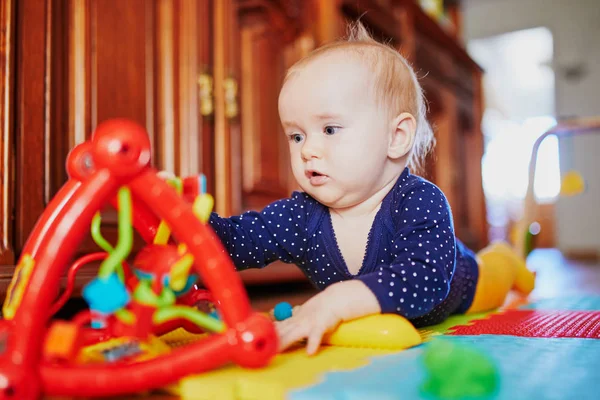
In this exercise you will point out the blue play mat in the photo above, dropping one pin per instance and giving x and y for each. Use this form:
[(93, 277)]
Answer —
[(571, 303), (529, 369)]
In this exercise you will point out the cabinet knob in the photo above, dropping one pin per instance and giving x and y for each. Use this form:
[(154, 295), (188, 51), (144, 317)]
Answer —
[(231, 90), (205, 94)]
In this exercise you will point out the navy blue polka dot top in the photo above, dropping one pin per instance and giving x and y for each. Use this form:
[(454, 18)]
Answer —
[(413, 263)]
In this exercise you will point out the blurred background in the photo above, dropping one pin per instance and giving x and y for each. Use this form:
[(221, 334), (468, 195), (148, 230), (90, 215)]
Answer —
[(542, 66), (203, 77)]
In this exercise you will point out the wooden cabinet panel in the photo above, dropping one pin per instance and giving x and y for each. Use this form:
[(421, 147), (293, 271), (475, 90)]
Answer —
[(272, 36), (91, 60), (431, 58), (107, 71), (476, 202), (7, 24), (30, 119), (455, 162), (112, 70), (164, 64), (265, 156), (227, 145), (138, 60), (120, 59)]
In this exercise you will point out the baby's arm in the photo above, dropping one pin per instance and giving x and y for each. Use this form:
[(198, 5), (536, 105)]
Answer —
[(255, 239), (415, 282), (418, 279)]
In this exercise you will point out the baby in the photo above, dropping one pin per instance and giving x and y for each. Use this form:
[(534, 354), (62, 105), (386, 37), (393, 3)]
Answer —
[(373, 237)]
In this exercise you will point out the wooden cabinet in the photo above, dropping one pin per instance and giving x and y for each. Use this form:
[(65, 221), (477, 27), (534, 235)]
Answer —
[(268, 31), (150, 61), (69, 65), (7, 156), (203, 77)]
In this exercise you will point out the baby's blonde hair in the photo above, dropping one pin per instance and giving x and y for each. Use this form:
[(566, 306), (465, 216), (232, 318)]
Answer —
[(396, 83)]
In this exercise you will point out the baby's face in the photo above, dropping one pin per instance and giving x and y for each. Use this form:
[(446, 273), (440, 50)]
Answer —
[(338, 135)]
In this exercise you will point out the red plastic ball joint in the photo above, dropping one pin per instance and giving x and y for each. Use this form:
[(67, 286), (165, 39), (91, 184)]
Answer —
[(256, 341), (18, 383), (80, 163), (121, 146)]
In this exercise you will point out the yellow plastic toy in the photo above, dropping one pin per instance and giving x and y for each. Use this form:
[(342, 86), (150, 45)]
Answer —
[(384, 331), (501, 269), (123, 347), (572, 184)]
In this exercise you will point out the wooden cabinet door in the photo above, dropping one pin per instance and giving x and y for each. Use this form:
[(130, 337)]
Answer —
[(271, 40), (7, 48), (154, 62)]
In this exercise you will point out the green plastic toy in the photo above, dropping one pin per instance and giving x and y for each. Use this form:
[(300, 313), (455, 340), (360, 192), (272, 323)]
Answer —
[(458, 372)]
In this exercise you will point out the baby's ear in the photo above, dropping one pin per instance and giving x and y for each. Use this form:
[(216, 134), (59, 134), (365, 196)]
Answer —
[(403, 135)]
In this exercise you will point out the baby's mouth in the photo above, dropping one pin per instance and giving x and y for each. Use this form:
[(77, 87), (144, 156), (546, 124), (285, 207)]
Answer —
[(312, 173), (316, 178)]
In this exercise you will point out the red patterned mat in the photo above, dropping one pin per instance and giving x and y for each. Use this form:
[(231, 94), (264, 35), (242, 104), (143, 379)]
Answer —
[(535, 323)]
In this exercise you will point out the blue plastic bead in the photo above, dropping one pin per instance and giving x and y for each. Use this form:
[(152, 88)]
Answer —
[(282, 311), (106, 295)]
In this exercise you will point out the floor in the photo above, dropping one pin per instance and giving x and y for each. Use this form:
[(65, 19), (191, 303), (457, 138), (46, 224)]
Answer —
[(557, 277)]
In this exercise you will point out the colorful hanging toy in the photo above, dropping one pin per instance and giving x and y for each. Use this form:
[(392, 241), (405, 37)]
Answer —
[(130, 302)]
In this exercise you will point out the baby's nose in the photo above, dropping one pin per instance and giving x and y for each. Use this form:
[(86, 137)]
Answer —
[(312, 148)]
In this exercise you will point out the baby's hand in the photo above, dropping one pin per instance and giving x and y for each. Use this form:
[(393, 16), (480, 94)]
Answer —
[(311, 320), (341, 301)]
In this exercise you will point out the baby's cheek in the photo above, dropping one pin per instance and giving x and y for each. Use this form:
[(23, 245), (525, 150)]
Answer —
[(360, 165), (350, 158), (297, 168)]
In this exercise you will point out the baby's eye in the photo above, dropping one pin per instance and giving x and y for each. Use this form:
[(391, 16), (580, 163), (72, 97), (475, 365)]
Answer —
[(296, 137), (330, 130)]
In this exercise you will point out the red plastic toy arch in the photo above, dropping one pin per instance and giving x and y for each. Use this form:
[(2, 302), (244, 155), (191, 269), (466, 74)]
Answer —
[(119, 154)]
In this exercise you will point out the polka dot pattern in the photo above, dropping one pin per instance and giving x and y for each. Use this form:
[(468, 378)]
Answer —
[(413, 263), (462, 290)]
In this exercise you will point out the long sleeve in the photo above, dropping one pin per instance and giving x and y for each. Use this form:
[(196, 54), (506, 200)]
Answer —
[(424, 254), (256, 239)]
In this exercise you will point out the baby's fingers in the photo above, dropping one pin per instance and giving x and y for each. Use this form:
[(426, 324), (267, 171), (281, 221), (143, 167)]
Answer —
[(290, 333), (285, 327), (314, 340)]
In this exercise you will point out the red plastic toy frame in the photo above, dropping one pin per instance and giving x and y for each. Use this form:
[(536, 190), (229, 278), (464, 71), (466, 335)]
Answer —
[(119, 154)]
